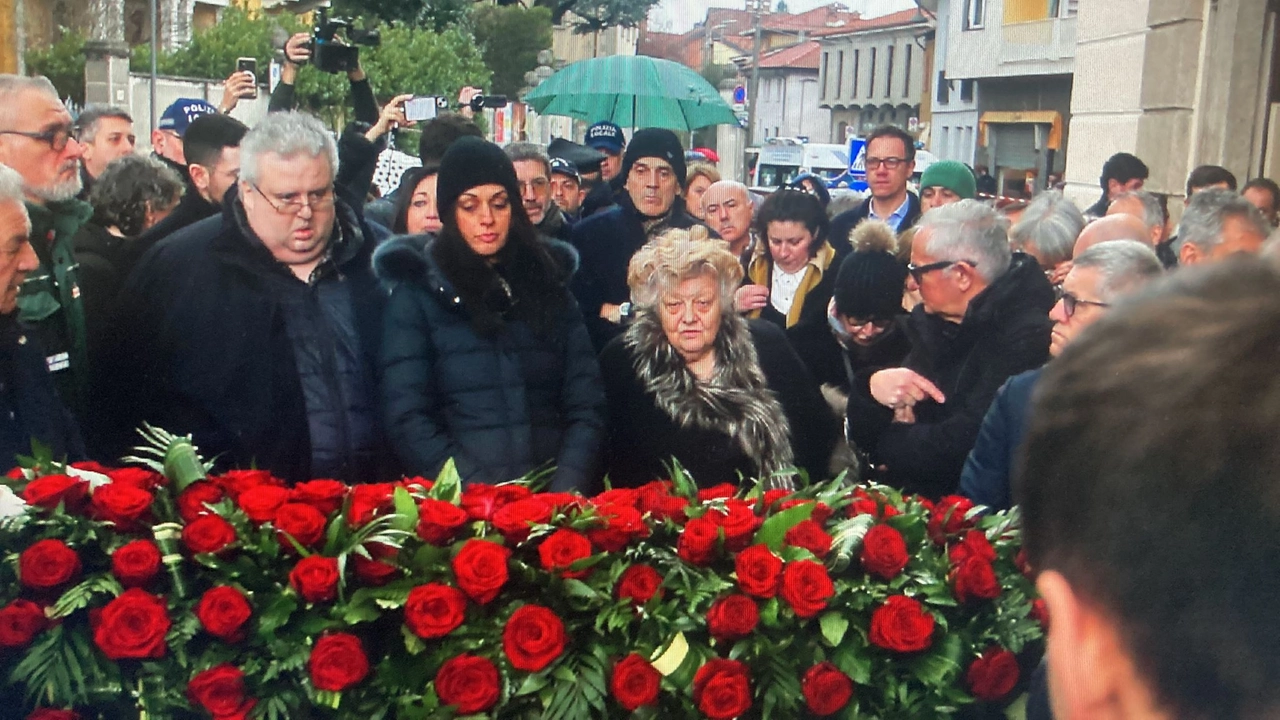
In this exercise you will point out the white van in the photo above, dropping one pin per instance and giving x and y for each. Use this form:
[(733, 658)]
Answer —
[(782, 159)]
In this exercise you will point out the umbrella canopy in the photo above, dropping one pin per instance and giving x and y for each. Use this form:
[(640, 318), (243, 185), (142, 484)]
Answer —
[(632, 90)]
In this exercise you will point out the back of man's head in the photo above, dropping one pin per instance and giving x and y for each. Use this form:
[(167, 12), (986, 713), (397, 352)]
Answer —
[(1142, 205), (441, 132), (1210, 176), (1148, 487), (1123, 167), (1048, 229), (1218, 221), (1110, 228), (208, 135)]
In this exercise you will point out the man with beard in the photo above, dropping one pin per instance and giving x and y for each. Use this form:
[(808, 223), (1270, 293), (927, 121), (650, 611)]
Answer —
[(37, 139), (655, 171), (533, 170)]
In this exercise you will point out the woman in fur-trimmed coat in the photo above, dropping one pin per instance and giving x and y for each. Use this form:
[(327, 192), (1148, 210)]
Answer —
[(691, 379)]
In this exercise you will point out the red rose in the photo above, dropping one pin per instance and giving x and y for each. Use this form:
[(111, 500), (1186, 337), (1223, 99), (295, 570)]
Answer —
[(481, 569), (884, 552), (515, 520), (122, 505), (223, 612), (722, 689), (1040, 612), (739, 523), (901, 624), (53, 714), (439, 521), (563, 548), (337, 662), (50, 490), (821, 511), (948, 517), (375, 570), (723, 491), (136, 563), (221, 691), (469, 683), (132, 626), (732, 617), (758, 571), (560, 501), (826, 689), (656, 499), (368, 501), (806, 587), (20, 622), (629, 497), (697, 543), (479, 501), (48, 565), (533, 637), (315, 578), (208, 534), (305, 523), (975, 579), (141, 478), (993, 675), (638, 584), (635, 682), (262, 502), (194, 501), (235, 482), (622, 524), (808, 534), (434, 610), (323, 495), (773, 497), (974, 544)]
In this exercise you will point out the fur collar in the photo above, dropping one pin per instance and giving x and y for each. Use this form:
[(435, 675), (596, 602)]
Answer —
[(737, 401)]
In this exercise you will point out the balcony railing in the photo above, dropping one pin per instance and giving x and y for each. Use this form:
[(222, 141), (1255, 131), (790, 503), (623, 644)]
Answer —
[(1038, 41)]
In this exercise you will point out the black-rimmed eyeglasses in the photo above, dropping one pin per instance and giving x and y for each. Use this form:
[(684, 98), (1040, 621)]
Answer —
[(1071, 302), (919, 271), (55, 137)]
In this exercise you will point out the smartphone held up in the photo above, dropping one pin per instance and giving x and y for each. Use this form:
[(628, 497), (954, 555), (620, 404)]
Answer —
[(249, 65)]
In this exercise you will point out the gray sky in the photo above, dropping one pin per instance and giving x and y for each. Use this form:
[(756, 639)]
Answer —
[(680, 15)]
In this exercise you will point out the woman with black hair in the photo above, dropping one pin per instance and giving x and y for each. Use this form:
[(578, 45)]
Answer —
[(416, 211), (485, 358), (791, 280)]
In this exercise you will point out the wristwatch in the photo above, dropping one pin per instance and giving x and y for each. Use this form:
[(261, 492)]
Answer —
[(625, 312)]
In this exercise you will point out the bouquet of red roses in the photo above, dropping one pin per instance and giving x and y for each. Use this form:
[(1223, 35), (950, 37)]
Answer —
[(131, 591)]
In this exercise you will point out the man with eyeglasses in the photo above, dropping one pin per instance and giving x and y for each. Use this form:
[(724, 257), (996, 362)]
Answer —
[(1099, 277), (890, 159), (533, 171), (255, 330), (37, 140), (983, 318)]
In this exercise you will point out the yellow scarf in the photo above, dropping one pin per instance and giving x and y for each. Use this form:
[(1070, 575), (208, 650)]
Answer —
[(761, 273)]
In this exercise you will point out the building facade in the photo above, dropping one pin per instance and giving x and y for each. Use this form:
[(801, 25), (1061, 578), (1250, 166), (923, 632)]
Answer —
[(873, 73), (788, 101)]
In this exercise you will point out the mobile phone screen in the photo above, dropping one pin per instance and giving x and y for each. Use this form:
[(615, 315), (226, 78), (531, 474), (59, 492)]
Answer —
[(420, 108)]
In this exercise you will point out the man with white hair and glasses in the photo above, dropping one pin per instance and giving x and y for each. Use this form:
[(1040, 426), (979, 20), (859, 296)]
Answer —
[(983, 318), (256, 330), (37, 139)]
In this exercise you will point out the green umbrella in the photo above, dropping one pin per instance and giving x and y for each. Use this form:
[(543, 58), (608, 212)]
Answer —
[(632, 90)]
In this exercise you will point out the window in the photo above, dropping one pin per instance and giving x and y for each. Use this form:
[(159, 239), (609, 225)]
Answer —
[(944, 88), (825, 58), (839, 72), (966, 91), (906, 76), (888, 73), (857, 61), (1064, 8), (871, 91), (974, 11)]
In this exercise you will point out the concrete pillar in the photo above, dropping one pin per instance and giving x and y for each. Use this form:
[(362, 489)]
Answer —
[(106, 73)]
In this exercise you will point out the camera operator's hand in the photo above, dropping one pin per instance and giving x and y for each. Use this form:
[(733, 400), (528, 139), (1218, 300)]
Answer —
[(238, 85), (392, 117), (297, 53), (464, 100)]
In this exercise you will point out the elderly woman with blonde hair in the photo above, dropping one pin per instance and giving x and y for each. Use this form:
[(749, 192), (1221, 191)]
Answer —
[(691, 379)]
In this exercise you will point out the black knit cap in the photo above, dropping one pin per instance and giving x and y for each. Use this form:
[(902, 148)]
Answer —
[(659, 143), (471, 162), (869, 285)]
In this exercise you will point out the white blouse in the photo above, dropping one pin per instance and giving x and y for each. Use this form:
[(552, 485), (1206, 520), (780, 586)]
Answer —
[(783, 292)]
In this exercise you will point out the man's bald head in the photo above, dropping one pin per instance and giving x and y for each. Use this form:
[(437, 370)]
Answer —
[(727, 205), (1120, 226), (1144, 206)]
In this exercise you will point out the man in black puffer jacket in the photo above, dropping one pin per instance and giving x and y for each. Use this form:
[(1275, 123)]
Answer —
[(655, 171), (257, 330), (984, 318)]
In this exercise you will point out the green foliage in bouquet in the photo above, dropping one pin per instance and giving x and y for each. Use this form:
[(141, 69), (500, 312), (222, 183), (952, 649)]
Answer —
[(134, 592)]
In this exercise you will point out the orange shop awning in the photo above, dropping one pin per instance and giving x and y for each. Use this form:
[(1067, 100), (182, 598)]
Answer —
[(1052, 118)]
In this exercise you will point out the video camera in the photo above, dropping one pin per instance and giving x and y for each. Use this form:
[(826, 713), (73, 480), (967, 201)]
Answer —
[(330, 54), (480, 102)]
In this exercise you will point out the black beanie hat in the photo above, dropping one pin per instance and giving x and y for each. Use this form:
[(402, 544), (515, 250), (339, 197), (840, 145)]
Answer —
[(655, 142), (870, 285), (470, 162)]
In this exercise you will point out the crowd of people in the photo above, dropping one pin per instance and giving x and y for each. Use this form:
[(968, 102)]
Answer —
[(603, 309)]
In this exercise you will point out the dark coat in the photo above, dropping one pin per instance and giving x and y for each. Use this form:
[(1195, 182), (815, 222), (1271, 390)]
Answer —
[(1004, 332), (105, 261), (845, 222), (206, 348), (833, 364), (30, 408), (642, 436), (605, 243), (191, 209), (989, 467), (556, 225), (500, 407)]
